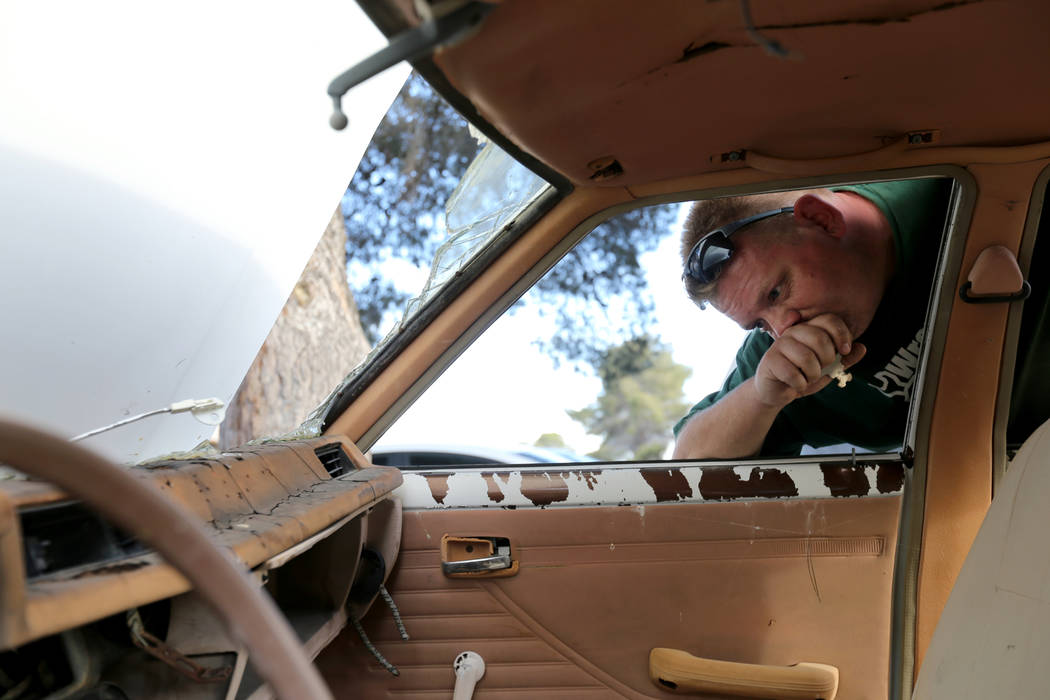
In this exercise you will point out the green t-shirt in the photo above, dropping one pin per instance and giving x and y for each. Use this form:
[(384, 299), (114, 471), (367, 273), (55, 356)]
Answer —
[(871, 410)]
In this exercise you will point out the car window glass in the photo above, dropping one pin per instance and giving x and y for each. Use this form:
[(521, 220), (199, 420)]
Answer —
[(605, 353)]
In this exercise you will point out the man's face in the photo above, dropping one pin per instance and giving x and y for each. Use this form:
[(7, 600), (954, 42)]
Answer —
[(774, 282)]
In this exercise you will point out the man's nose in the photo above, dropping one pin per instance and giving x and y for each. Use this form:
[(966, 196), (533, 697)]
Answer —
[(780, 320)]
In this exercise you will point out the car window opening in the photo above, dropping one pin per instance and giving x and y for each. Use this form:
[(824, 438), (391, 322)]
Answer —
[(618, 354)]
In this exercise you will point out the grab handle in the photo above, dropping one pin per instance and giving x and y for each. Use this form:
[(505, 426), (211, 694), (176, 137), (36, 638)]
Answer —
[(681, 672)]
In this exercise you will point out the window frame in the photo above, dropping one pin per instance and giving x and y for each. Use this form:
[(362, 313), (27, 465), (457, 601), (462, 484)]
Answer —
[(942, 292)]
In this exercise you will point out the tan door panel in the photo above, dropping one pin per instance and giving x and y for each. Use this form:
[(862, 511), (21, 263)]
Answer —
[(773, 582)]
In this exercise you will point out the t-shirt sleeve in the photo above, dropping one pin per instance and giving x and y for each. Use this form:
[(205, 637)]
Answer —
[(782, 438), (747, 359)]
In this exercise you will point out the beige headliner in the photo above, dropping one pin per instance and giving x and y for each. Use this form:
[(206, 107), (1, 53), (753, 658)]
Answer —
[(664, 87)]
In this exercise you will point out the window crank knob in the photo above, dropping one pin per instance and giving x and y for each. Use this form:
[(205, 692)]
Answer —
[(469, 668)]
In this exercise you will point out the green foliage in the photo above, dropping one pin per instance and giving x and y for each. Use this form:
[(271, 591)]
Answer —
[(602, 277), (550, 440), (641, 399), (394, 209)]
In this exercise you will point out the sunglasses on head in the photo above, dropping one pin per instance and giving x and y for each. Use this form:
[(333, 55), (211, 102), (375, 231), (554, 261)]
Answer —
[(713, 250)]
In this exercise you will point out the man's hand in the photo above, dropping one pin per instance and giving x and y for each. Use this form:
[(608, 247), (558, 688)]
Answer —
[(737, 425), (792, 366)]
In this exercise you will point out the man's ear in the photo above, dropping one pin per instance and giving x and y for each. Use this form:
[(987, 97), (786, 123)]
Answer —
[(821, 211)]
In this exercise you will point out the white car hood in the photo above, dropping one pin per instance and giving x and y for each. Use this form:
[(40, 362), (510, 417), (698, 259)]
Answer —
[(165, 173)]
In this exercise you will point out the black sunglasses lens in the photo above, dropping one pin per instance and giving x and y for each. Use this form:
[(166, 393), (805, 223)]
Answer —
[(707, 259), (713, 259)]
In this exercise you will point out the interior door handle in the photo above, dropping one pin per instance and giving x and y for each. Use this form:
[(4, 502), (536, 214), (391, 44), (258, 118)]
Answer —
[(473, 566), (681, 672), (477, 557)]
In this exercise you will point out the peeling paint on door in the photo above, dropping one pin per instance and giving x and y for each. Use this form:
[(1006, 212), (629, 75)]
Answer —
[(668, 484), (726, 484), (640, 485)]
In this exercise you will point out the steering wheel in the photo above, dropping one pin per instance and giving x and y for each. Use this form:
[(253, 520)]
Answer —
[(137, 506)]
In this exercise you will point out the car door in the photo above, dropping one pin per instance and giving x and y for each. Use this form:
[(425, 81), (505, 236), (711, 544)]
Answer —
[(763, 562), (771, 563)]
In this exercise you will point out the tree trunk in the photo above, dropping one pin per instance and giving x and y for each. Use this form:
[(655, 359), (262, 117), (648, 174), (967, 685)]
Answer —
[(315, 342)]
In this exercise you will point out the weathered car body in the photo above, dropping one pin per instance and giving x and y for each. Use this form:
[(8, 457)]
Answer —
[(845, 561)]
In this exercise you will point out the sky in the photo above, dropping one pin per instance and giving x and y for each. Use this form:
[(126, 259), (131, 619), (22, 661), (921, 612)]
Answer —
[(503, 391)]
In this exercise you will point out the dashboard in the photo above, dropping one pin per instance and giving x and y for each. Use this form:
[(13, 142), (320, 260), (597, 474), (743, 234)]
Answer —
[(88, 611)]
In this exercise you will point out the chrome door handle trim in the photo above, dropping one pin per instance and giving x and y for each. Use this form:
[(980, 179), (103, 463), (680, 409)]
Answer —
[(470, 566)]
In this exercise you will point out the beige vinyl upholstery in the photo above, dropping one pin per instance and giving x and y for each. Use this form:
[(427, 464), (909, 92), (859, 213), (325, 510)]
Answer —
[(993, 639)]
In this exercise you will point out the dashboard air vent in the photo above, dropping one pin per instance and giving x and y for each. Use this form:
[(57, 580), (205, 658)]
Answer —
[(335, 461), (65, 536)]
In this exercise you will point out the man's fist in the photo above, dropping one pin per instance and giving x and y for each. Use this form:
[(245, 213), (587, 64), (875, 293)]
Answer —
[(793, 365)]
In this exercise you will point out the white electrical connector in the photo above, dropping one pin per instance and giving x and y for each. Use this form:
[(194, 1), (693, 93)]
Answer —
[(208, 411), (195, 405), (469, 668)]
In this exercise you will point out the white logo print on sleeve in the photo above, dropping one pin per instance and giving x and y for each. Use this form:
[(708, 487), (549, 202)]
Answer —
[(898, 377)]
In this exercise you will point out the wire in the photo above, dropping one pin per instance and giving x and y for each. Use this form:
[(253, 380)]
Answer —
[(194, 406), (119, 423), (397, 613), (372, 648)]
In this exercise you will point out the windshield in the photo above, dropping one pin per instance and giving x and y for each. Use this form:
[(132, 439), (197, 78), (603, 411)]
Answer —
[(431, 192)]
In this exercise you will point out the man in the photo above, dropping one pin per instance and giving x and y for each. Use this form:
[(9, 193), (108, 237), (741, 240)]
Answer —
[(815, 275)]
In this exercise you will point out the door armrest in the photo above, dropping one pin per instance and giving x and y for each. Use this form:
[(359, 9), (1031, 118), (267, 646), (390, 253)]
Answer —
[(681, 672)]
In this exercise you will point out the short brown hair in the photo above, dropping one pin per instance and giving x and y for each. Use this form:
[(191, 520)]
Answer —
[(708, 214)]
